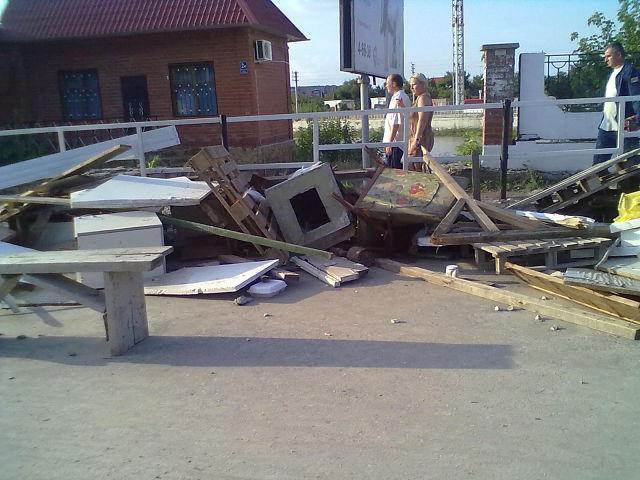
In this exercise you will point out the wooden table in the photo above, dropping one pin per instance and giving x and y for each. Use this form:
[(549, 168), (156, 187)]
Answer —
[(124, 303)]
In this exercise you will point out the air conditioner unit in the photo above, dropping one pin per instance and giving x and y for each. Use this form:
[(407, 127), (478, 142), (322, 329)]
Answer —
[(262, 49)]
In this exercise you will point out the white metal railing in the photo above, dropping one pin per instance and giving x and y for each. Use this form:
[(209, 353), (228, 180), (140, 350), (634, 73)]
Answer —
[(317, 117)]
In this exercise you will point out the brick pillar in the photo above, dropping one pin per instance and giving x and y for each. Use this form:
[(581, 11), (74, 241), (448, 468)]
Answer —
[(499, 63)]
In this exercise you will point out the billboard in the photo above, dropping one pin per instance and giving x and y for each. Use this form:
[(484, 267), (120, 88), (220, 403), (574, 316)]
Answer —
[(372, 37)]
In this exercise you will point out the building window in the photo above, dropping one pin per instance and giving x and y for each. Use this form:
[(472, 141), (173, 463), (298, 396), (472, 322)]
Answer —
[(193, 90), (80, 94)]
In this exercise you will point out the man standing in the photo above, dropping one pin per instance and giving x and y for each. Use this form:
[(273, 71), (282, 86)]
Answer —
[(393, 122), (624, 80)]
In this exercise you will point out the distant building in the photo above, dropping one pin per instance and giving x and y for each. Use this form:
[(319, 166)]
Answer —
[(379, 102), (80, 61), (337, 105), (320, 91)]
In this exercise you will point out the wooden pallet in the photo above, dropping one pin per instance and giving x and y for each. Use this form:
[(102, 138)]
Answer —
[(584, 184), (592, 248), (229, 187)]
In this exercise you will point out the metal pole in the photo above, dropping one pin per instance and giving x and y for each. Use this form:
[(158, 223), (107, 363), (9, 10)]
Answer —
[(316, 140), (225, 132), (475, 175), (140, 152), (406, 119), (506, 140), (295, 88), (621, 112), (61, 143), (364, 105)]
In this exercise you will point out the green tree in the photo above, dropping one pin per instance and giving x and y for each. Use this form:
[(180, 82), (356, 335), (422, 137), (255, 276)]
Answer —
[(307, 104), (587, 76)]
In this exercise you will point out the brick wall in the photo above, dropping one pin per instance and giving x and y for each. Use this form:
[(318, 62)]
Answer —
[(499, 79), (263, 90)]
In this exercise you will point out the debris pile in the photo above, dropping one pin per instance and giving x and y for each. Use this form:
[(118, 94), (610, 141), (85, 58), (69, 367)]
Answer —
[(223, 230)]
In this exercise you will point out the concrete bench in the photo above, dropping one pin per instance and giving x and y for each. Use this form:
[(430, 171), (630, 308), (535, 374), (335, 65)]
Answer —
[(123, 298)]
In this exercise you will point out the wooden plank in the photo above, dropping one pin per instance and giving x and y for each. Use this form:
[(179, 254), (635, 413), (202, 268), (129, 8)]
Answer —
[(333, 268), (35, 200), (506, 216), (111, 260), (603, 302), (468, 238), (602, 281), (126, 311), (68, 288), (319, 274), (8, 283), (581, 317), (458, 192), (447, 222)]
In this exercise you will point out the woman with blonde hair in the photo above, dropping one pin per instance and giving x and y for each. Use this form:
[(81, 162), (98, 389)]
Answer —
[(421, 132)]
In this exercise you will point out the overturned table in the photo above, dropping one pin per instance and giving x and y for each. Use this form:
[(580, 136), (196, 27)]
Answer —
[(123, 298)]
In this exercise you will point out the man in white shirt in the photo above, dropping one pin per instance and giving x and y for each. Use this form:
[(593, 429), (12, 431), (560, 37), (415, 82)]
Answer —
[(624, 80), (393, 122)]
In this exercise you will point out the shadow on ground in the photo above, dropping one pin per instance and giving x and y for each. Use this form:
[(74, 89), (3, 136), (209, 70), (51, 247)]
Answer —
[(264, 352)]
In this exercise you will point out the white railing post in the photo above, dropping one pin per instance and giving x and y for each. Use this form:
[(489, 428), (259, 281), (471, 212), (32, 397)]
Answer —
[(140, 152), (621, 113), (406, 117), (316, 140), (61, 143)]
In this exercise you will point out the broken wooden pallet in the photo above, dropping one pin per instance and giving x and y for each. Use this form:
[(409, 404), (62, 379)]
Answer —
[(591, 250), (603, 302), (602, 281), (583, 184), (230, 188)]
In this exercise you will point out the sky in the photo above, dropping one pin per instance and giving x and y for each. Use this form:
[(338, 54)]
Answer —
[(537, 25)]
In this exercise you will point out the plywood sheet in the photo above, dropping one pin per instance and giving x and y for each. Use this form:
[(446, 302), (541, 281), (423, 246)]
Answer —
[(210, 279), (115, 222), (53, 165), (126, 191)]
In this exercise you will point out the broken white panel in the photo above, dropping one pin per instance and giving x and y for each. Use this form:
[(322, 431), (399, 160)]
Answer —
[(205, 280), (556, 217), (624, 251), (127, 191), (118, 230), (51, 166)]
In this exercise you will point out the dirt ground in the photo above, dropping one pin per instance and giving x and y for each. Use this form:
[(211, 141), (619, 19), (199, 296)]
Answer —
[(318, 383)]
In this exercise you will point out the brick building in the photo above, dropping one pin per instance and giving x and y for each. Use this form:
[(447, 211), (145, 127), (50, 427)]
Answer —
[(68, 61)]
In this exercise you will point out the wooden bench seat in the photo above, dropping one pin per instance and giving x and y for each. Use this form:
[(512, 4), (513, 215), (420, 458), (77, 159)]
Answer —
[(124, 303)]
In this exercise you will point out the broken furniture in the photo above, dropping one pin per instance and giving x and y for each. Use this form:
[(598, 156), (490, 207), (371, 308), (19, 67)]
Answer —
[(558, 253), (583, 184), (306, 210), (127, 191), (231, 189), (118, 230), (126, 316)]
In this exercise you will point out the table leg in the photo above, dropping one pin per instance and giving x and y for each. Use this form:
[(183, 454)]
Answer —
[(126, 311)]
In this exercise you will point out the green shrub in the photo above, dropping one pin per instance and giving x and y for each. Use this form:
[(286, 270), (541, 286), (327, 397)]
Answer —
[(471, 144), (17, 148)]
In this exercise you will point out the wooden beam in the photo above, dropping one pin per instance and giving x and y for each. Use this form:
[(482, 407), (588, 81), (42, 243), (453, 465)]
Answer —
[(447, 222), (468, 238), (458, 192), (267, 242), (598, 322), (319, 274), (603, 302), (507, 216), (39, 200)]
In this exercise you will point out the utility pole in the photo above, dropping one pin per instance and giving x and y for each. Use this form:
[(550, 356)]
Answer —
[(295, 88), (413, 68), (457, 23)]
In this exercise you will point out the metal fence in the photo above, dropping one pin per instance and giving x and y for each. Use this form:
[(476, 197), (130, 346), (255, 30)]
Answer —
[(317, 117)]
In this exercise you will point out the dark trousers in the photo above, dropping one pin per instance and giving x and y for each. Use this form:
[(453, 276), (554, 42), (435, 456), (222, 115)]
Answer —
[(395, 159), (610, 140)]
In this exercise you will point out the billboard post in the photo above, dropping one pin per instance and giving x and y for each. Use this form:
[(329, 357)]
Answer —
[(365, 105)]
